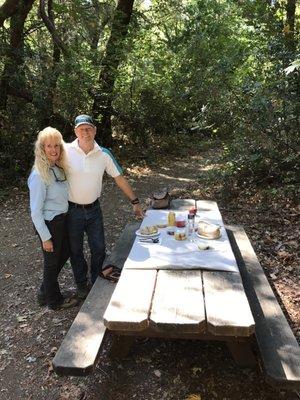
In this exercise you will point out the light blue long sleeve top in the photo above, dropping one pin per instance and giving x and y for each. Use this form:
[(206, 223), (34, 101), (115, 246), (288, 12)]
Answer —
[(46, 201)]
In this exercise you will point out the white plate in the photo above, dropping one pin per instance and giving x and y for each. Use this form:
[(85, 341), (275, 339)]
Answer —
[(153, 235), (208, 238)]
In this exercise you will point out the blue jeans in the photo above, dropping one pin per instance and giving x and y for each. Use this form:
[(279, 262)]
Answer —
[(89, 220)]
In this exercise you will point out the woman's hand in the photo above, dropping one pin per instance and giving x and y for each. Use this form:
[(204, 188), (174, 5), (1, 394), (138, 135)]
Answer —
[(48, 246)]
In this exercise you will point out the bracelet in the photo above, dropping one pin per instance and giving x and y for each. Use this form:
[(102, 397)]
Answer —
[(135, 201)]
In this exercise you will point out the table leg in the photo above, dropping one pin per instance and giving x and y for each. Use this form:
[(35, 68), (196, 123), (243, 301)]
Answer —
[(242, 353)]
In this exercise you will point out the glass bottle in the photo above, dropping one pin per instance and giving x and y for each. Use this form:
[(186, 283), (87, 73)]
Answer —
[(191, 224), (171, 218)]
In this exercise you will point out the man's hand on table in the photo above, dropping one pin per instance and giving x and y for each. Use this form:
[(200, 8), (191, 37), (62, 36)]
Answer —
[(138, 211)]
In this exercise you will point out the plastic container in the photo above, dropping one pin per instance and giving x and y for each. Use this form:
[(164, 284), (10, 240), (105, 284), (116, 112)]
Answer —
[(180, 234), (171, 218)]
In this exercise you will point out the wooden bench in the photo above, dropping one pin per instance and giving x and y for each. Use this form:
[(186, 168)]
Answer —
[(78, 352), (278, 347), (279, 350)]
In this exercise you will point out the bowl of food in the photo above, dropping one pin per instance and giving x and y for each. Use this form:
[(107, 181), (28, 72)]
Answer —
[(148, 230), (207, 230)]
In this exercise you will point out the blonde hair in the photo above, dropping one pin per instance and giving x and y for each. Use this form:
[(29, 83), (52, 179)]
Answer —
[(41, 162)]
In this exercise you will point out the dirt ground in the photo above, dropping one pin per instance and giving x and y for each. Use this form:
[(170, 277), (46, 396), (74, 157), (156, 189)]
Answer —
[(155, 369)]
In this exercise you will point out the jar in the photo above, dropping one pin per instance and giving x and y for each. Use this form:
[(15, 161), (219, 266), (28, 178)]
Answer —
[(170, 230), (181, 220), (171, 218), (180, 234)]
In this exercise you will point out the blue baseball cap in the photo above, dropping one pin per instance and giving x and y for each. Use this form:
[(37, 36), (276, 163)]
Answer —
[(83, 119)]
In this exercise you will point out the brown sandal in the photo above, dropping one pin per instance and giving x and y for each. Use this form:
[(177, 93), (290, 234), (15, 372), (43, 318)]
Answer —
[(68, 302), (112, 276)]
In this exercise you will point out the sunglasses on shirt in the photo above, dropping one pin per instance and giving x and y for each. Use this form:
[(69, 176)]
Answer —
[(58, 178)]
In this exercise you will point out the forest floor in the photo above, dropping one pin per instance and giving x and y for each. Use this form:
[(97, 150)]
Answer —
[(155, 369)]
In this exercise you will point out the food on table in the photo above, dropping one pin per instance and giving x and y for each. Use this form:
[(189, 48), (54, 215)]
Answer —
[(203, 246), (171, 218), (180, 234), (181, 220), (161, 225), (149, 230), (180, 223), (208, 230)]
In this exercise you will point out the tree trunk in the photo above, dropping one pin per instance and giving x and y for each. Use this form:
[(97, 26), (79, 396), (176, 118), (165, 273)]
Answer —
[(290, 25), (8, 8), (50, 74), (102, 106), (13, 78)]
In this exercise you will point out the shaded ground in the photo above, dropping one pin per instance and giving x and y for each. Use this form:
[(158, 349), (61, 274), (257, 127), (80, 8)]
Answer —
[(155, 369)]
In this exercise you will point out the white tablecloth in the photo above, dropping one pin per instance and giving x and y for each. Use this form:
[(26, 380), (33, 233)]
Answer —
[(170, 253)]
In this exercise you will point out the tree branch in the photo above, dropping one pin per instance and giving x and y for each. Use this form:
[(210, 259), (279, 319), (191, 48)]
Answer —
[(51, 28)]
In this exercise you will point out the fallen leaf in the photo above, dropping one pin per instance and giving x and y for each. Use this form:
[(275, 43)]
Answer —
[(52, 351), (21, 318), (283, 254), (30, 359), (195, 370), (193, 397)]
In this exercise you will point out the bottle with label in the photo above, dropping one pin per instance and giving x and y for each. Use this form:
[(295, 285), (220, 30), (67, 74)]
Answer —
[(171, 218)]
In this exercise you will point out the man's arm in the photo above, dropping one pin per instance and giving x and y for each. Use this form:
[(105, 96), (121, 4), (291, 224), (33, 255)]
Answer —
[(127, 190)]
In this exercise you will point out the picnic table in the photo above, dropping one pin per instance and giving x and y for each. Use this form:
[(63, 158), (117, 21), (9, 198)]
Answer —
[(196, 295), (181, 303)]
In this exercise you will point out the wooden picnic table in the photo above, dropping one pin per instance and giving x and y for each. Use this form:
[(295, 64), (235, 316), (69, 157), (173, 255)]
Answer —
[(185, 303), (214, 315)]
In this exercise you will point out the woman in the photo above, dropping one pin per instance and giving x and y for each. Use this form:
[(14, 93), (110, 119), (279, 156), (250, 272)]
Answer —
[(49, 204)]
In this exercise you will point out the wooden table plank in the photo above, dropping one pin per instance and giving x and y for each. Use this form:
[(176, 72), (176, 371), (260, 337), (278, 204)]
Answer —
[(123, 246), (178, 302), (207, 205), (227, 308), (130, 304), (182, 204)]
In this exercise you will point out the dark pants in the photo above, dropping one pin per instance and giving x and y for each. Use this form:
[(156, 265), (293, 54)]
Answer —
[(53, 262), (89, 220)]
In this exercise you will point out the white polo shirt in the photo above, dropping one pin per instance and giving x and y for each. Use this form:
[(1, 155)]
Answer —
[(86, 171)]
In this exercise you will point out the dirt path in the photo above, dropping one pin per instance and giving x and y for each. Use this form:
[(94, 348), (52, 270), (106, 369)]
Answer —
[(155, 369)]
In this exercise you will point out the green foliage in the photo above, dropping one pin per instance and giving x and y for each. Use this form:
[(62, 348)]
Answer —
[(195, 71)]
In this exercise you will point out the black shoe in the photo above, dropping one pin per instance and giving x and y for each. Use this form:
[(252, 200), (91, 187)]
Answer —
[(41, 299), (82, 291), (67, 302)]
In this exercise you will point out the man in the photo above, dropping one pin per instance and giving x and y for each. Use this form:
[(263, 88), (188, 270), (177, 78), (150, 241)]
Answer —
[(87, 164)]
